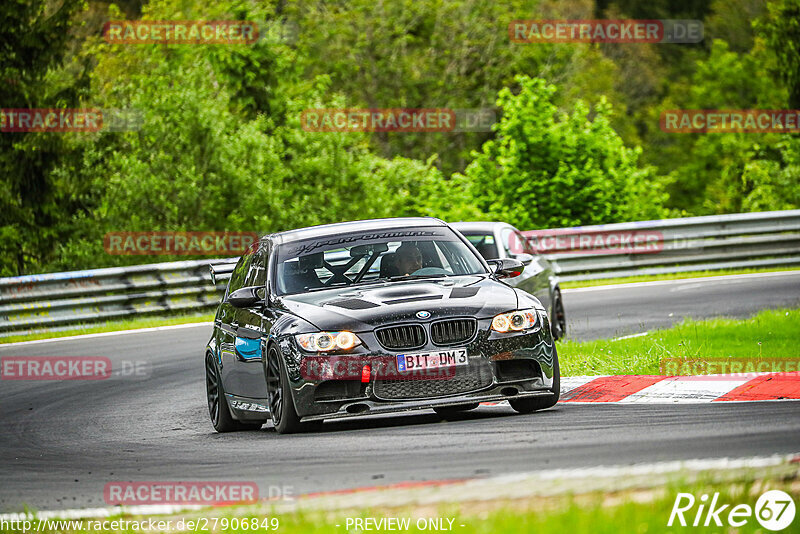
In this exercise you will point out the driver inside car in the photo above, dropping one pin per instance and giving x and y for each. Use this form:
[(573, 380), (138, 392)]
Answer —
[(408, 259)]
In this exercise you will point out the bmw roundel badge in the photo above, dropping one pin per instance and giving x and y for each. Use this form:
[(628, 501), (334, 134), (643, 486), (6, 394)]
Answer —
[(423, 314)]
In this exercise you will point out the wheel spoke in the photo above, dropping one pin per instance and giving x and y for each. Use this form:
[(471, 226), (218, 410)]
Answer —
[(274, 396), (212, 389)]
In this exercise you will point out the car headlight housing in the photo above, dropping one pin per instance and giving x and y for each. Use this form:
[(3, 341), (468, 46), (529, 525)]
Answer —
[(327, 341), (516, 321)]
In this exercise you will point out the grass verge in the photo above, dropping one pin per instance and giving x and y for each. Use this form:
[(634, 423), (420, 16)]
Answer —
[(112, 326), (642, 507), (769, 334), (669, 276)]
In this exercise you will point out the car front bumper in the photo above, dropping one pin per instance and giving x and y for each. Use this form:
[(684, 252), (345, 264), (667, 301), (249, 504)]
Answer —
[(510, 366)]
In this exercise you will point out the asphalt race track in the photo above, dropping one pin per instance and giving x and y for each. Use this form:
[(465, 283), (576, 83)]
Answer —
[(63, 441), (608, 311)]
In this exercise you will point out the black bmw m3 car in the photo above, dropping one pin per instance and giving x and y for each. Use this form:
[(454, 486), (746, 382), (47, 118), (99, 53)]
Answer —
[(372, 317)]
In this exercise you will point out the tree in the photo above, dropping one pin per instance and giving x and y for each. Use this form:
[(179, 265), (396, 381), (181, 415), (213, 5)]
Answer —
[(442, 53), (780, 28), (729, 172), (547, 169), (33, 200), (221, 145)]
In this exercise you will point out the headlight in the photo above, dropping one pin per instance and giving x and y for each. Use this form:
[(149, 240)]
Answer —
[(328, 341), (515, 321)]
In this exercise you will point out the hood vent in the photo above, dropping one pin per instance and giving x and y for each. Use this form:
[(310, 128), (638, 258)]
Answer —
[(463, 292), (413, 299), (352, 304)]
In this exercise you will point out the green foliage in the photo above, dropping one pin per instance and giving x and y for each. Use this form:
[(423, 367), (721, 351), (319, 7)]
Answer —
[(780, 29), (547, 169), (33, 201), (441, 53), (221, 146), (731, 172)]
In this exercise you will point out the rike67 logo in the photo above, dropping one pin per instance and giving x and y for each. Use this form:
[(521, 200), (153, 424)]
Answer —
[(774, 510)]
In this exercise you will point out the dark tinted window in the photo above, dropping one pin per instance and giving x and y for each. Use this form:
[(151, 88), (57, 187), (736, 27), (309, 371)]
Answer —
[(485, 243), (257, 272), (239, 274)]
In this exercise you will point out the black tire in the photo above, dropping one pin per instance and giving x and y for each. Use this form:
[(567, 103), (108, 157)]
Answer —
[(533, 404), (218, 410), (558, 317), (447, 411), (281, 406)]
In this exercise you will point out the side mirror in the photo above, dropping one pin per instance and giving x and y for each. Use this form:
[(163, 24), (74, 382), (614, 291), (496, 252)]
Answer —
[(247, 297), (507, 267), (526, 259)]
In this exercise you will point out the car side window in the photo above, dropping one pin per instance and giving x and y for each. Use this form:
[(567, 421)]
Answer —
[(485, 244), (239, 273), (509, 242), (257, 272)]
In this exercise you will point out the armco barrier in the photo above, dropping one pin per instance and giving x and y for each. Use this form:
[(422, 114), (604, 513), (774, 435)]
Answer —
[(46, 301), (743, 240), (51, 301)]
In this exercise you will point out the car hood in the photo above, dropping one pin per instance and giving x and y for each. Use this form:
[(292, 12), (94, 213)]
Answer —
[(363, 308)]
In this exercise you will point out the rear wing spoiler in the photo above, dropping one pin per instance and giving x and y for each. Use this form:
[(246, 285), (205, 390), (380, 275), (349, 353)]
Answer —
[(221, 271)]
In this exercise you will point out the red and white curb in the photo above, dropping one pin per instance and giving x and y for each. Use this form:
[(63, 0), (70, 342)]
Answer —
[(653, 389)]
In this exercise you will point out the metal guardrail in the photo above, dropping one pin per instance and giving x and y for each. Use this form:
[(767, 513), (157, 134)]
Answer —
[(44, 302), (744, 240), (48, 302)]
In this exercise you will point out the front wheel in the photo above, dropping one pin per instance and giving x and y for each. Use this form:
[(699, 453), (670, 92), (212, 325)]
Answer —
[(281, 407), (540, 403)]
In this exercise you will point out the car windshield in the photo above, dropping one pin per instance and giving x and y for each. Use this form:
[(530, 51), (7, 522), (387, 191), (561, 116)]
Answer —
[(358, 258)]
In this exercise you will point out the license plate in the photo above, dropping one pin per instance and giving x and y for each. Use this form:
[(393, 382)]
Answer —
[(432, 360)]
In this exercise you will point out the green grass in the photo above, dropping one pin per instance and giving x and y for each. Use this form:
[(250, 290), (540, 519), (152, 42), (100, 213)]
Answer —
[(669, 276), (597, 513), (769, 334), (637, 511), (113, 326)]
